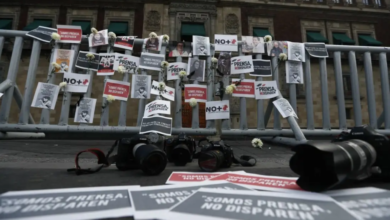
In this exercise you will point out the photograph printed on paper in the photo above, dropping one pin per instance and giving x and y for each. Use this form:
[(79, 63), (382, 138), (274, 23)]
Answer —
[(124, 42), (153, 43), (201, 46), (247, 44), (196, 69), (98, 39), (140, 87), (258, 45), (42, 33), (296, 51), (85, 111), (224, 63), (106, 64), (179, 49), (284, 107), (83, 62), (294, 72), (275, 48), (45, 96), (64, 58)]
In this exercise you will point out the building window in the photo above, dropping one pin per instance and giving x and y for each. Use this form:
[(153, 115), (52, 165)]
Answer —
[(190, 29), (348, 113), (347, 85), (368, 40), (72, 111), (38, 22), (342, 39), (315, 36), (6, 23), (120, 28), (261, 32), (378, 3), (85, 25)]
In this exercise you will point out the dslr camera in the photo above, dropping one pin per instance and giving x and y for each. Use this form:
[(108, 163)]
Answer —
[(214, 155), (141, 152), (352, 156), (180, 150)]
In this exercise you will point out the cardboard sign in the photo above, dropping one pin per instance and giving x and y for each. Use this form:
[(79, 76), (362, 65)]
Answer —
[(83, 62), (65, 204), (45, 96), (217, 110), (261, 182), (261, 68), (130, 63), (77, 83), (120, 90), (124, 42), (284, 107), (245, 89), (156, 124), (70, 34), (193, 177), (168, 92), (106, 64), (368, 202), (199, 92), (317, 50), (151, 61), (174, 69), (150, 201), (158, 107), (266, 89), (241, 64), (217, 204), (42, 33), (225, 42)]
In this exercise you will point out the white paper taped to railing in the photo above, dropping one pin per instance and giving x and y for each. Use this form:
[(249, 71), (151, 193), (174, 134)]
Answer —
[(284, 107)]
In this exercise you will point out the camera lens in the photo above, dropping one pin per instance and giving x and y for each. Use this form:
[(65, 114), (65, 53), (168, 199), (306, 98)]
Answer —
[(322, 165), (152, 160), (210, 161), (181, 155)]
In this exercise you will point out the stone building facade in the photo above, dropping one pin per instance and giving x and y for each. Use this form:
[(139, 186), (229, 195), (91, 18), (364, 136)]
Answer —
[(289, 20)]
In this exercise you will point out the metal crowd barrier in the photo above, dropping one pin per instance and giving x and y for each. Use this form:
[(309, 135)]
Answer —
[(27, 124)]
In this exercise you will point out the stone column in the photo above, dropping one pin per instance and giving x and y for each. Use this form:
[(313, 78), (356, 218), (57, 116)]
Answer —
[(172, 26), (213, 19)]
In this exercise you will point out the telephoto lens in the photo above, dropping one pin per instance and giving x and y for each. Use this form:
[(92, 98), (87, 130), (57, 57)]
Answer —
[(180, 150), (322, 166), (214, 155)]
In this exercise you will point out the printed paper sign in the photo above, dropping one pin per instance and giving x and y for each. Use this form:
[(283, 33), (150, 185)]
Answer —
[(150, 201), (140, 86), (106, 64), (77, 83), (174, 69), (317, 50), (275, 48), (158, 107), (261, 68), (196, 69), (260, 182), (284, 107), (252, 44), (153, 44), (294, 72), (217, 110), (45, 96), (266, 89), (151, 61), (83, 62), (296, 51), (156, 124), (200, 46), (245, 89), (85, 111), (42, 33), (168, 92), (241, 64), (129, 62), (72, 203), (258, 45), (226, 42), (124, 42), (64, 58), (120, 90), (99, 39), (368, 202), (224, 63), (179, 49), (199, 92), (70, 34), (193, 177), (216, 204)]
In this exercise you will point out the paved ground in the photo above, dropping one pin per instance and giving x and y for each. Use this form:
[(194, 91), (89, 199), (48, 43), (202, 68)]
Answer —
[(42, 164)]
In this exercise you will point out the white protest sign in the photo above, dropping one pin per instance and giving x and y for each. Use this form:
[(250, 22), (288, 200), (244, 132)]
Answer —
[(217, 204), (225, 42), (284, 107), (174, 69), (168, 92), (241, 64), (127, 61), (150, 201), (77, 83), (67, 204), (158, 107), (266, 89), (217, 110), (193, 177)]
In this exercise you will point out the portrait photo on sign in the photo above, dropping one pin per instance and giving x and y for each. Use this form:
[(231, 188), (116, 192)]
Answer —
[(247, 44), (200, 46), (85, 111), (294, 72), (261, 68), (224, 63), (296, 51), (153, 43), (284, 107), (124, 42), (45, 96), (179, 49), (106, 64), (317, 50), (258, 45), (64, 58), (130, 63), (98, 39), (275, 48), (196, 69), (140, 86), (69, 34), (83, 62), (42, 33)]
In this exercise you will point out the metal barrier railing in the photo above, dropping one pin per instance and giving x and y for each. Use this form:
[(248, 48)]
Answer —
[(26, 122)]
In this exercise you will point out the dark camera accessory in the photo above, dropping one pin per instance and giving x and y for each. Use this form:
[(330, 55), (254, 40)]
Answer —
[(352, 156), (180, 150), (216, 154)]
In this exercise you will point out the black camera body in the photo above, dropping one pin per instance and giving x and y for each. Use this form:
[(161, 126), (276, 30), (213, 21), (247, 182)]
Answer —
[(180, 150), (214, 155), (139, 153)]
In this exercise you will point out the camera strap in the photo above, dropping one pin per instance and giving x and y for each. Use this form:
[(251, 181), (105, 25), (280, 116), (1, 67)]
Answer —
[(103, 160), (245, 161)]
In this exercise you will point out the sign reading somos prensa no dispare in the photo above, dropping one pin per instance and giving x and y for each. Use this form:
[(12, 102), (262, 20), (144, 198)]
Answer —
[(67, 204)]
